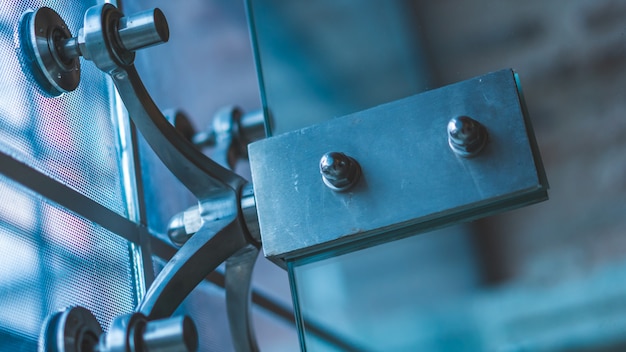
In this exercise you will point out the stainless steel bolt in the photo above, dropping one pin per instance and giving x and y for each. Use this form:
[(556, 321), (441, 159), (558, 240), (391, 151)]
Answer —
[(466, 136), (339, 171)]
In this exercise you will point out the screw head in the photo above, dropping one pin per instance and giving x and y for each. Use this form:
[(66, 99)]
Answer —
[(339, 171), (466, 136)]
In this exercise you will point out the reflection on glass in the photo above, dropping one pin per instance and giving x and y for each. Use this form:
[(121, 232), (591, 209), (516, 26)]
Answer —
[(544, 278)]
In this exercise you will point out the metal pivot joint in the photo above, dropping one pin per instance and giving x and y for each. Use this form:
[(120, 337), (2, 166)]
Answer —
[(466, 136), (339, 171), (229, 134)]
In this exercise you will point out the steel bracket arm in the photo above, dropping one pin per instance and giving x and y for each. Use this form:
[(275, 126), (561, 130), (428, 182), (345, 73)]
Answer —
[(205, 178), (211, 183)]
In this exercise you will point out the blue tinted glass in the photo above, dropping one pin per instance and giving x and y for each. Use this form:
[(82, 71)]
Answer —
[(326, 58), (543, 278), (51, 259), (397, 296)]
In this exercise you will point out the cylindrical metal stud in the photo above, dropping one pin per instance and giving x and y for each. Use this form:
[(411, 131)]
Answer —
[(137, 31), (466, 136), (339, 171), (171, 334), (143, 29)]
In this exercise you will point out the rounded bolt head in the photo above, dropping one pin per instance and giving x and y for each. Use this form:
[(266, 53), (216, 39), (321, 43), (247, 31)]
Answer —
[(339, 171), (466, 136)]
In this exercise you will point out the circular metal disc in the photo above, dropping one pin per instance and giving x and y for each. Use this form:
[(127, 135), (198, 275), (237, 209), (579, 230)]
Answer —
[(42, 32), (74, 329)]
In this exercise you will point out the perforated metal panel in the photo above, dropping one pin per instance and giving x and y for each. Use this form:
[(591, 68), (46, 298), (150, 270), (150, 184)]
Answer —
[(51, 259), (71, 138)]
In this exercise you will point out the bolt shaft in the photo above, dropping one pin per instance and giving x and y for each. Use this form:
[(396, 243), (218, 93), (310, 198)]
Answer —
[(170, 334)]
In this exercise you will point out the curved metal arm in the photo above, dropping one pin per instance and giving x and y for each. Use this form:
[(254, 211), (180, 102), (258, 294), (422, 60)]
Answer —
[(230, 134), (204, 177), (238, 277), (101, 40), (204, 252)]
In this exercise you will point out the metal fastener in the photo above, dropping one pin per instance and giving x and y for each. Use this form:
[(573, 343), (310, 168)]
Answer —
[(339, 171), (53, 53), (466, 136)]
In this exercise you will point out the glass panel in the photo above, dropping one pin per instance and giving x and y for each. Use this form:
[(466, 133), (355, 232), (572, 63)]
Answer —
[(273, 334), (51, 259), (327, 58), (377, 299), (71, 137), (543, 278)]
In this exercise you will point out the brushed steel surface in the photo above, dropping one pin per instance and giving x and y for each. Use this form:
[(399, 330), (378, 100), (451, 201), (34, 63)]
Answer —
[(411, 180)]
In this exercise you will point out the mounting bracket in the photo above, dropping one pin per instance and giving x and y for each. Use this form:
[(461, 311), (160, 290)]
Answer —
[(110, 39)]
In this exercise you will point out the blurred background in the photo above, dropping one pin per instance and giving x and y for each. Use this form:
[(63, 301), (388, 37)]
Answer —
[(549, 277)]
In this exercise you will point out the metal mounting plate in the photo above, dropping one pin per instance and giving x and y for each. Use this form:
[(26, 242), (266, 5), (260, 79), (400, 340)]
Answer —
[(411, 180), (73, 329), (40, 33)]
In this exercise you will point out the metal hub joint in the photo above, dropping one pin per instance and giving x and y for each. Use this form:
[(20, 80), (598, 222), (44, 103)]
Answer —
[(229, 135)]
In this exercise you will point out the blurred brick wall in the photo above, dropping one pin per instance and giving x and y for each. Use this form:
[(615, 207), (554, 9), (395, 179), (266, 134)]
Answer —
[(571, 56)]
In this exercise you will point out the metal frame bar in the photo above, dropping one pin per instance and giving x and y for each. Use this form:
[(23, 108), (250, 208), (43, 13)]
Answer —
[(85, 207), (69, 198)]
